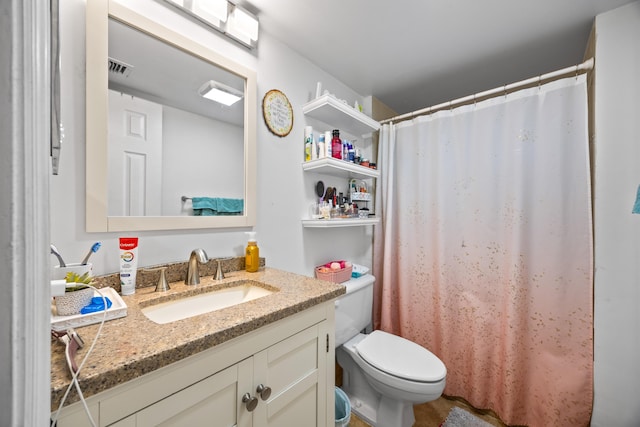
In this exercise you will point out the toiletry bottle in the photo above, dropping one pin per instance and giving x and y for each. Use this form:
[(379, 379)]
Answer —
[(314, 148), (327, 144), (321, 150), (252, 253), (308, 142), (336, 145), (128, 264), (352, 153)]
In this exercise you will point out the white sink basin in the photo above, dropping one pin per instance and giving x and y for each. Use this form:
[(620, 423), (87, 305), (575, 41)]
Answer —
[(170, 311)]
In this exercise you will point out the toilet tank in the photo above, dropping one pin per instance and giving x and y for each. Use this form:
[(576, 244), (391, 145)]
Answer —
[(354, 309)]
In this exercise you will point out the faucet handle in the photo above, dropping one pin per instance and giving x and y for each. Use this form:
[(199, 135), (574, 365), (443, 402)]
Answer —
[(219, 273), (162, 285)]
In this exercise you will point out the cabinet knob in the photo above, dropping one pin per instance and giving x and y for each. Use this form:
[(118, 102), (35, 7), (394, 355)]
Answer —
[(250, 402), (263, 391)]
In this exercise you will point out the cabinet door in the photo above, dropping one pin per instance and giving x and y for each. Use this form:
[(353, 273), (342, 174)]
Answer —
[(295, 370), (213, 401)]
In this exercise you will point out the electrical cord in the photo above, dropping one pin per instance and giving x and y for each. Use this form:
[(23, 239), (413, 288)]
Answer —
[(76, 372)]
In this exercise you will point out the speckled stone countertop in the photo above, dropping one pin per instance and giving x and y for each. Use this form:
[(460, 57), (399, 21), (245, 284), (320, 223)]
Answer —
[(132, 346)]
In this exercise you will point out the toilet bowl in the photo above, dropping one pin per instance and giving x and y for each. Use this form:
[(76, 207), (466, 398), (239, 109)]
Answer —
[(384, 375)]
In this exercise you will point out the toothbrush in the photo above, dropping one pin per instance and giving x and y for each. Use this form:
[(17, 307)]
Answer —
[(54, 251), (93, 249)]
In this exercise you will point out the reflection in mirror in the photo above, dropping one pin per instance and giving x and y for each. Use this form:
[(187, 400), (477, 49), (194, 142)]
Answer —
[(156, 147), (167, 142)]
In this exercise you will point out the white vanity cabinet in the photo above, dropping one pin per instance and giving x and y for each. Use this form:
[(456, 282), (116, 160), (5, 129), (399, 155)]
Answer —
[(330, 111), (212, 399), (279, 375)]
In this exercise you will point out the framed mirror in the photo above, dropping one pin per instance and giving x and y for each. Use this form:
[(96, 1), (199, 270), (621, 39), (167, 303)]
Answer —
[(159, 154)]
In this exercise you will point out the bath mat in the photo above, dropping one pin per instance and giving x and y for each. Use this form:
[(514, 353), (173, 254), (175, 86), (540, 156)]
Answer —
[(460, 418)]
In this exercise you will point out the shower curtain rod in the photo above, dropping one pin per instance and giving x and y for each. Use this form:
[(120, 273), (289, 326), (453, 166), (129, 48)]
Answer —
[(584, 67)]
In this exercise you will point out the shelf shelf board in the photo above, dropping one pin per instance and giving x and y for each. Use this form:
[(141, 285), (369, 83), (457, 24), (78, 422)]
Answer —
[(339, 115), (331, 223), (340, 168)]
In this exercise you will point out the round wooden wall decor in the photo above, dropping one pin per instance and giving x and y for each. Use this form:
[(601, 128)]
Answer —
[(277, 112)]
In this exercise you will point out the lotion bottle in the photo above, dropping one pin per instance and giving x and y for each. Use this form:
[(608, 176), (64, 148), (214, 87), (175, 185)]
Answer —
[(252, 253)]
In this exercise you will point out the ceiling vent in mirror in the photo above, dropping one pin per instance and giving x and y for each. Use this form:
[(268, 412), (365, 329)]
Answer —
[(120, 68)]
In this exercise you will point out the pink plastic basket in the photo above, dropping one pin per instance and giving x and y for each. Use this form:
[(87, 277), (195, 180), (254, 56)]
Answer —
[(335, 276)]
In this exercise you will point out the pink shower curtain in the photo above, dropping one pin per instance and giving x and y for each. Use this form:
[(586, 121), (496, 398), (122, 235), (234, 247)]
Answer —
[(484, 252)]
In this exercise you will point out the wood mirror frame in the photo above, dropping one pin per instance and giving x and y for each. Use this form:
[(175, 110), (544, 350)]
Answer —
[(97, 218)]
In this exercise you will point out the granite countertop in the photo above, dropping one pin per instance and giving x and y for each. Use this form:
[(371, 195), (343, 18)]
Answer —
[(132, 346)]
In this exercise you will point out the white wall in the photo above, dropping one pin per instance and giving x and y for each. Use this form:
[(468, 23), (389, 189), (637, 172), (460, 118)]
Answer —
[(201, 157), (617, 231), (283, 192)]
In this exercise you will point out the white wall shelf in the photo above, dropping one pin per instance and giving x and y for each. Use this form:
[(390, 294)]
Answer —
[(347, 222), (328, 109), (340, 168), (338, 115)]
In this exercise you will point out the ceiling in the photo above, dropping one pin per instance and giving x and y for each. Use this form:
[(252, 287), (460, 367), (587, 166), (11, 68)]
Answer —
[(434, 50), (160, 76)]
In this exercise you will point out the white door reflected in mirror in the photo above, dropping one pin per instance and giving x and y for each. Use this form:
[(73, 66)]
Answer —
[(135, 156)]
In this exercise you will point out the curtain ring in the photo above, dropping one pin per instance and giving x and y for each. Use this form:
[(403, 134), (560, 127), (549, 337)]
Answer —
[(577, 68), (539, 81), (474, 99), (504, 89)]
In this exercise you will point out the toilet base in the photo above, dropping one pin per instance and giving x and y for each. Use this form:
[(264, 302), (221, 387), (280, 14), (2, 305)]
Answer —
[(364, 411), (367, 403), (388, 413)]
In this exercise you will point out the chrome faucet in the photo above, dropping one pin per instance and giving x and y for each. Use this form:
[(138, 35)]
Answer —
[(193, 275)]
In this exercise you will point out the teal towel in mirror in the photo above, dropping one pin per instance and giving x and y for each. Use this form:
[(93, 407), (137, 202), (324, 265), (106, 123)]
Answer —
[(636, 205), (210, 206)]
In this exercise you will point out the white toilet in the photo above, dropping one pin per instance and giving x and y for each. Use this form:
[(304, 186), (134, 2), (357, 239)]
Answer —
[(384, 375)]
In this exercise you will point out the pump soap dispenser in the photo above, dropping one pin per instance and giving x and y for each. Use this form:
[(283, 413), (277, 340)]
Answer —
[(252, 253)]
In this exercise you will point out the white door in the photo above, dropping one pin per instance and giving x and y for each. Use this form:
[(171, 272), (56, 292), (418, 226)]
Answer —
[(135, 156)]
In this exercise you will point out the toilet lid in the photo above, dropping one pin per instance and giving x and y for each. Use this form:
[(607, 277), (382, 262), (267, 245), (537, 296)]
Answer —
[(400, 357)]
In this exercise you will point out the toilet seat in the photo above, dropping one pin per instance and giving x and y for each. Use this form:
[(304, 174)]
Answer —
[(401, 358)]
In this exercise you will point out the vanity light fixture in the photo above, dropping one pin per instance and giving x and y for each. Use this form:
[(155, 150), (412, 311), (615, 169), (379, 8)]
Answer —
[(243, 26), (212, 11), (220, 93), (224, 16)]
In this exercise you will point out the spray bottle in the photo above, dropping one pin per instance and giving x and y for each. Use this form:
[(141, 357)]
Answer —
[(252, 253)]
